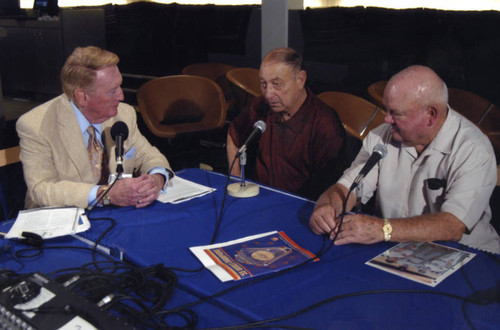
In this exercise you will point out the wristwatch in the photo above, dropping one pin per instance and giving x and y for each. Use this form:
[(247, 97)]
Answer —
[(106, 200), (387, 229)]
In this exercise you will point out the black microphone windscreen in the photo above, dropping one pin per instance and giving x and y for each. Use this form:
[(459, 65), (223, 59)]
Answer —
[(119, 128)]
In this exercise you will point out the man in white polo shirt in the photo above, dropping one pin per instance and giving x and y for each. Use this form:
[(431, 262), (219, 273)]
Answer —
[(435, 182)]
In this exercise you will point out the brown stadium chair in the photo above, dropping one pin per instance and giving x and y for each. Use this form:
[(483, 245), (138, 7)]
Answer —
[(470, 105), (490, 120), (9, 156), (181, 104), (358, 115), (213, 71), (376, 92), (246, 85), (480, 111)]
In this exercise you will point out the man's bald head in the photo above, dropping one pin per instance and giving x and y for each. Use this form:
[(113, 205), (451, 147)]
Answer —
[(419, 85), (416, 101)]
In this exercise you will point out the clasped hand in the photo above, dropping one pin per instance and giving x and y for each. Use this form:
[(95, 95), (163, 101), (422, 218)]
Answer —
[(140, 191), (355, 228)]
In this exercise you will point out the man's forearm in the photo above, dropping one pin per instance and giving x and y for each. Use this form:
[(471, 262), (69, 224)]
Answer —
[(441, 226), (335, 196)]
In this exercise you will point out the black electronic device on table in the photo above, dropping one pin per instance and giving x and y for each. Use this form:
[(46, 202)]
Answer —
[(36, 302)]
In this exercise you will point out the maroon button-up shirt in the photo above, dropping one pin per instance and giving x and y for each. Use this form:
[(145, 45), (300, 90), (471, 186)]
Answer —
[(290, 152)]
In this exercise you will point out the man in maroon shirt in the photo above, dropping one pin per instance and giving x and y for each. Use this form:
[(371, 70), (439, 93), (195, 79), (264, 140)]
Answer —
[(303, 136)]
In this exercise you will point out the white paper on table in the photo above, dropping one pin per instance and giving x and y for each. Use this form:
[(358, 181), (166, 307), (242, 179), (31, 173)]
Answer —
[(181, 190), (50, 222)]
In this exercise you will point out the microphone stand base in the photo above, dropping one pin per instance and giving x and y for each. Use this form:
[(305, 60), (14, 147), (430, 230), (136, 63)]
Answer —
[(239, 191)]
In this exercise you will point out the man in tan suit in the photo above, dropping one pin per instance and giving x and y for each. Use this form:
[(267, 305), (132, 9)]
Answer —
[(54, 139)]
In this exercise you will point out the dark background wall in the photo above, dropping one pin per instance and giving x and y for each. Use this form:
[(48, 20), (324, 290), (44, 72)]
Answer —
[(344, 48), (373, 43), (156, 39)]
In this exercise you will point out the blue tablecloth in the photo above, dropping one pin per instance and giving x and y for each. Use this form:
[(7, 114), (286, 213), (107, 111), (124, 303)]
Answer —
[(65, 252), (350, 294)]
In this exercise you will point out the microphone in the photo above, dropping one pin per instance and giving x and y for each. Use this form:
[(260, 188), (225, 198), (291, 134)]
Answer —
[(119, 133), (379, 152), (258, 127)]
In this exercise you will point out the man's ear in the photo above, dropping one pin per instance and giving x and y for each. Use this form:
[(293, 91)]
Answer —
[(432, 114), (81, 96), (302, 77)]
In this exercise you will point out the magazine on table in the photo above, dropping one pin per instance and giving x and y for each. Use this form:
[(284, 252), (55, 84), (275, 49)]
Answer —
[(252, 256), (425, 262)]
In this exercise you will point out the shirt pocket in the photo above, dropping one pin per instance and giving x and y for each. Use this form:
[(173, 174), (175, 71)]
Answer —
[(434, 189)]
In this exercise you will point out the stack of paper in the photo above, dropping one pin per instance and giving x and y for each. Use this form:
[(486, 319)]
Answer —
[(50, 222), (181, 190)]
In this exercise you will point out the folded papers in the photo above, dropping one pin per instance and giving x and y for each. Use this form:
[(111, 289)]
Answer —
[(50, 222), (181, 190)]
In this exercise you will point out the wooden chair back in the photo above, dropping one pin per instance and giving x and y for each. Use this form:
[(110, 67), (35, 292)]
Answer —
[(9, 156), (358, 115), (376, 92), (470, 105), (181, 104)]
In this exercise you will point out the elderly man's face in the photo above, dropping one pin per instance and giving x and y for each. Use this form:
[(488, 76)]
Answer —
[(281, 85), (101, 102), (409, 120)]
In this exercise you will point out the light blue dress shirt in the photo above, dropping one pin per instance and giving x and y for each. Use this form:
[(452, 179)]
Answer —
[(84, 124)]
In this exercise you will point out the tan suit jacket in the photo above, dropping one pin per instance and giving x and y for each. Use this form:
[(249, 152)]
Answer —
[(55, 161)]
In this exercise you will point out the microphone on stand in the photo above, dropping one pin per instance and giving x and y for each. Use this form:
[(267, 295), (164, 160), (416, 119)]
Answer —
[(379, 152), (258, 128), (243, 189), (119, 133)]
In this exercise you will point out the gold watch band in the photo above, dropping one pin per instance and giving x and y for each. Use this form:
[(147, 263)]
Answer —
[(387, 230)]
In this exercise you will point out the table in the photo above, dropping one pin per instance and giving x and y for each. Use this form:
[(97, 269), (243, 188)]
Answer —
[(65, 252), (349, 293)]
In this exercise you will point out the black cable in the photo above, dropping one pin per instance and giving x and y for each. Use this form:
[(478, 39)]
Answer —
[(89, 210), (136, 294), (464, 303), (488, 296), (21, 253), (343, 296), (339, 227), (8, 251), (101, 237), (100, 197), (119, 287), (189, 316), (218, 223), (219, 220), (262, 278)]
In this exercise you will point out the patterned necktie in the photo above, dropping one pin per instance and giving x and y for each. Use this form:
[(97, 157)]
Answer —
[(97, 156)]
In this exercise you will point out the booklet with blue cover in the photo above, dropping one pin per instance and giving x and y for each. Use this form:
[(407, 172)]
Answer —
[(252, 256)]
